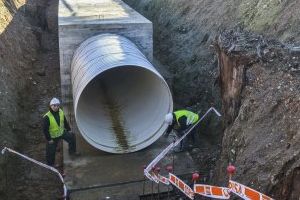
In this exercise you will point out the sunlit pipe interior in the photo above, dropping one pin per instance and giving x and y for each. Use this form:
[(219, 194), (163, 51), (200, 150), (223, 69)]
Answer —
[(120, 100)]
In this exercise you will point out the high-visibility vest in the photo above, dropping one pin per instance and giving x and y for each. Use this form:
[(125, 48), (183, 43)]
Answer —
[(191, 117), (55, 130)]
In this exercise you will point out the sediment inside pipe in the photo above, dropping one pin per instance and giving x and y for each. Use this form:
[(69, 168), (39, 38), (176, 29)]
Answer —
[(120, 109)]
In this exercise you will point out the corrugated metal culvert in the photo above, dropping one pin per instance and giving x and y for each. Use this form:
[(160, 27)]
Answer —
[(120, 100)]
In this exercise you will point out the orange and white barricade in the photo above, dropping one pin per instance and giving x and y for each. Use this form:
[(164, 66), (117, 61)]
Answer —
[(212, 191), (159, 178), (163, 179), (151, 176), (246, 192), (174, 180)]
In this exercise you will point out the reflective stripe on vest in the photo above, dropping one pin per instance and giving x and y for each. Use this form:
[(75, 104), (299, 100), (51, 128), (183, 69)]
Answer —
[(55, 130), (191, 117)]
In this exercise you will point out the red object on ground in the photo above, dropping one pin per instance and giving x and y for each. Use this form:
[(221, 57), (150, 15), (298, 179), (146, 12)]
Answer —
[(195, 176), (157, 169), (231, 169), (169, 168)]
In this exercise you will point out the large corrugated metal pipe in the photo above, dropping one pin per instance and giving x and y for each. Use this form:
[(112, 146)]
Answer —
[(120, 100)]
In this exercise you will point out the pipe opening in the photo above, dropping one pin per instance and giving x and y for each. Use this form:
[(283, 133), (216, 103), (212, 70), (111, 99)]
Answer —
[(123, 108)]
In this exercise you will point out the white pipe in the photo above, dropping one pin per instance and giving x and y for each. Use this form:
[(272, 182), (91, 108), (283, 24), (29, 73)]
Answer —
[(120, 100)]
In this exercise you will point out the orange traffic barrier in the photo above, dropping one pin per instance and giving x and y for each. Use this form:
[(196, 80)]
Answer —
[(212, 191), (160, 178), (246, 192), (208, 190), (174, 180), (163, 179)]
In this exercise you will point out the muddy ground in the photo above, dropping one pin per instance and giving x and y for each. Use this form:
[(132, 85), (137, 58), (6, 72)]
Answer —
[(261, 123)]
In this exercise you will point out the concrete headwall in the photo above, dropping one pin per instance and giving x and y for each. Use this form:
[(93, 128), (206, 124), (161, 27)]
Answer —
[(78, 20)]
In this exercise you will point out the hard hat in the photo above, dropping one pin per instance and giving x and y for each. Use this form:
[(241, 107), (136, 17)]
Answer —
[(54, 101), (169, 118)]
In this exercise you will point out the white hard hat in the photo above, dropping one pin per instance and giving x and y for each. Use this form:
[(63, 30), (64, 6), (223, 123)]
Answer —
[(169, 118), (54, 101)]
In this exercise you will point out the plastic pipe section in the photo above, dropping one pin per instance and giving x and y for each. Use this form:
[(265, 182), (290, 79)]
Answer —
[(120, 100)]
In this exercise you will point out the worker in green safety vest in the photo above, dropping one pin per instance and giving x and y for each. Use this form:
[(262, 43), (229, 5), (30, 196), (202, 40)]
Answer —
[(180, 121), (55, 128)]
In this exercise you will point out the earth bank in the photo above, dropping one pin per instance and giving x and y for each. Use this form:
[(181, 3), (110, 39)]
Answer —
[(257, 78)]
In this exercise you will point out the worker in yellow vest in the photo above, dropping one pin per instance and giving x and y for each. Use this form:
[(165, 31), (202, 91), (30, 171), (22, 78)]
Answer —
[(55, 128), (180, 121)]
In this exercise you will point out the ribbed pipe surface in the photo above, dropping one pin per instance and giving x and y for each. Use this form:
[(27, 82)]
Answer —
[(120, 100)]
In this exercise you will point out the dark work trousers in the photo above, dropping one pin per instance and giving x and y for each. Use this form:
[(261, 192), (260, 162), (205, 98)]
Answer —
[(69, 137)]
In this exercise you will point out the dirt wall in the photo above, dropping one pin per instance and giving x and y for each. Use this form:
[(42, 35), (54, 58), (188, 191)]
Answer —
[(260, 93), (26, 86), (184, 31), (259, 103), (16, 57)]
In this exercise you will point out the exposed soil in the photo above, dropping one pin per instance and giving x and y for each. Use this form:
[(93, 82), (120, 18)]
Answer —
[(184, 33), (29, 78), (259, 80)]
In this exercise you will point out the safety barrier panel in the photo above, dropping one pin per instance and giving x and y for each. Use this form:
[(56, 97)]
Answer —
[(161, 179), (205, 190), (174, 180), (212, 191), (246, 192)]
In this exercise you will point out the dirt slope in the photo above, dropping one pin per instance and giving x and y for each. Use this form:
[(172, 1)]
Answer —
[(29, 77), (16, 60), (184, 30), (260, 99), (260, 81)]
